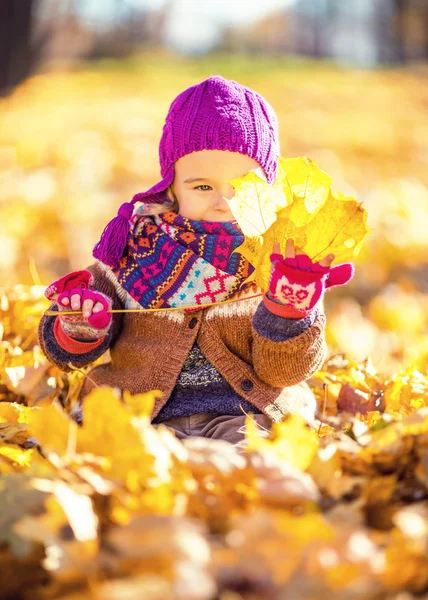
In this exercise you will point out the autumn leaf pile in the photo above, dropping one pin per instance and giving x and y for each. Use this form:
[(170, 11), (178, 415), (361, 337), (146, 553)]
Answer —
[(121, 509)]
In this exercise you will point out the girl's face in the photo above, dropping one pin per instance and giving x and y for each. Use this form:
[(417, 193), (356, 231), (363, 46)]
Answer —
[(200, 183)]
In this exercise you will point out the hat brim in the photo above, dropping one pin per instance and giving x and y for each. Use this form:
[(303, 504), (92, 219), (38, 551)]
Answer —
[(156, 194)]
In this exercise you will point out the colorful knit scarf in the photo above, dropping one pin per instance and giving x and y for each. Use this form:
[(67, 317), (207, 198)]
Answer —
[(171, 261)]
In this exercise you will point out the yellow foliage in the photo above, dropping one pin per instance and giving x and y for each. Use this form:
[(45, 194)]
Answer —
[(119, 507), (406, 392), (299, 205), (141, 405), (285, 438), (51, 425), (13, 458)]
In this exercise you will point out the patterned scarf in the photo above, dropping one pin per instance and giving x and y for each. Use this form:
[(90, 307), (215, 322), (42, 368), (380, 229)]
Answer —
[(172, 261)]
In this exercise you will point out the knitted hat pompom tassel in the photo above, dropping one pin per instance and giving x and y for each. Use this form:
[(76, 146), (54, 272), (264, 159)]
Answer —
[(113, 239)]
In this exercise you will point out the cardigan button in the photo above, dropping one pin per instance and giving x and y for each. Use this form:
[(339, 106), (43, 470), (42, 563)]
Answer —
[(247, 385), (193, 322)]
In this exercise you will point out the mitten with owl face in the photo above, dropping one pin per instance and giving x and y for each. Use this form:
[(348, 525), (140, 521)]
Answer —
[(297, 284)]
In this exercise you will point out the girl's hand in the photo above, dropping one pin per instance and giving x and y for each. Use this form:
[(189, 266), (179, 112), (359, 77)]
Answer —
[(72, 292), (298, 282), (94, 307)]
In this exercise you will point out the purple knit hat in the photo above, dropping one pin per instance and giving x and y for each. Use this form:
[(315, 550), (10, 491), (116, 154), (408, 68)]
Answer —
[(216, 114)]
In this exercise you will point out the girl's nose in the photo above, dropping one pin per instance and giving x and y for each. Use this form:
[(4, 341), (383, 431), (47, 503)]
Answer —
[(220, 203)]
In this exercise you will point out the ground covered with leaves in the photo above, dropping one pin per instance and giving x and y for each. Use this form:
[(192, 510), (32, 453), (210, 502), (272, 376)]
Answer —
[(120, 509)]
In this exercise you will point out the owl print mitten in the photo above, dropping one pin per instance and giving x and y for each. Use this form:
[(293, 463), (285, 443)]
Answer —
[(296, 284)]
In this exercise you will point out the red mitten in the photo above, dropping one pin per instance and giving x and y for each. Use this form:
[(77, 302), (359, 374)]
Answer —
[(76, 326), (78, 279), (78, 334), (99, 320), (299, 283)]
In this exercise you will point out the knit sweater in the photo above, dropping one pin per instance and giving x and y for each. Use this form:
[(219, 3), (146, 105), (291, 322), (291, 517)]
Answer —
[(252, 357), (200, 388)]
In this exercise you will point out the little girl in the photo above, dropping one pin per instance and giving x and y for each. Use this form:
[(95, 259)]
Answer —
[(175, 250)]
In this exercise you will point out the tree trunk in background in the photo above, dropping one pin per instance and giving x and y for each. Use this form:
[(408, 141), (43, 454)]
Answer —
[(17, 55), (400, 9), (424, 11)]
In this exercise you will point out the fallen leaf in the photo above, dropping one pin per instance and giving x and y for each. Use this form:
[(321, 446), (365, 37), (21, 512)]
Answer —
[(283, 440)]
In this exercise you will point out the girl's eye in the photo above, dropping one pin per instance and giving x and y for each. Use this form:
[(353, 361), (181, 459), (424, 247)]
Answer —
[(202, 186)]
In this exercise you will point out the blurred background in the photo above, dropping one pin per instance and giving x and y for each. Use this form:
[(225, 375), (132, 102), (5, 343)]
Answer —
[(85, 87)]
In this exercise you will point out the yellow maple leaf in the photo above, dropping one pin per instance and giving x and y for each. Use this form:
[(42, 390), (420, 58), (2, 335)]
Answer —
[(107, 428), (141, 405), (406, 392), (290, 440), (255, 203), (319, 220), (13, 458), (307, 184), (108, 431), (9, 412), (50, 426)]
